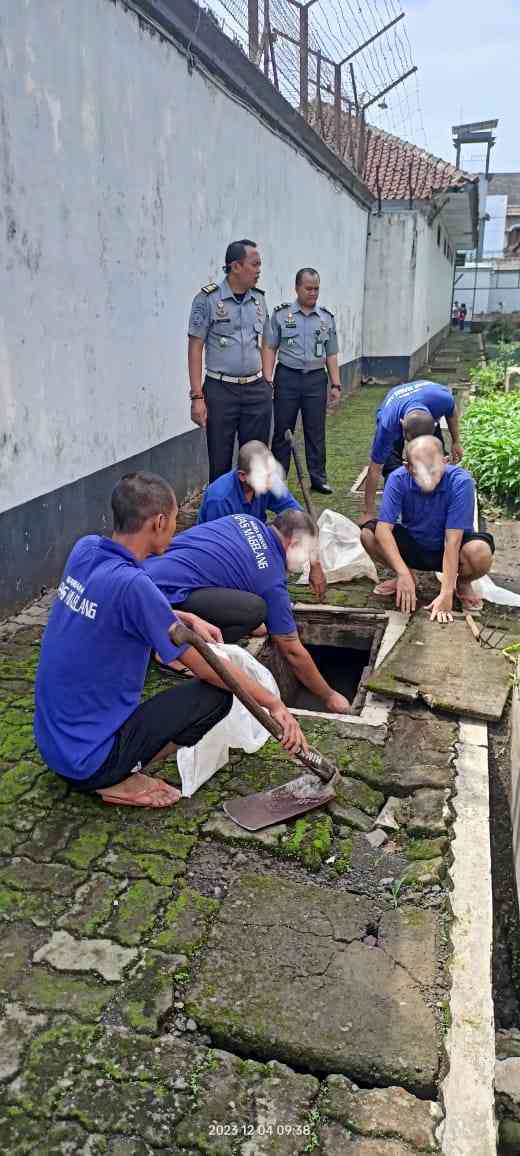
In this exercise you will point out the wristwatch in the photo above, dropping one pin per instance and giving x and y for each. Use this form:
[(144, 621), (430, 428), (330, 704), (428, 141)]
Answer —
[(336, 387), (197, 396)]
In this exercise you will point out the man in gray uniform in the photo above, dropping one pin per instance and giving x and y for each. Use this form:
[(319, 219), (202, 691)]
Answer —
[(229, 322), (305, 336)]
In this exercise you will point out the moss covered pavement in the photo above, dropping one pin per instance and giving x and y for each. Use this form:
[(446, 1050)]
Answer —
[(170, 982)]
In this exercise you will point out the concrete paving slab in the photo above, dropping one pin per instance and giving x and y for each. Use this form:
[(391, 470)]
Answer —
[(447, 668), (287, 975), (390, 1112)]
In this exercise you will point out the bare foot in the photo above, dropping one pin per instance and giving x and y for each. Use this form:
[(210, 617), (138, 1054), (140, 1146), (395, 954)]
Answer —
[(466, 595), (385, 589), (141, 791)]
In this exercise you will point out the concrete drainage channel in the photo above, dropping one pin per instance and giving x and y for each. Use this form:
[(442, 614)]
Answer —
[(507, 1071), (466, 1093), (346, 645)]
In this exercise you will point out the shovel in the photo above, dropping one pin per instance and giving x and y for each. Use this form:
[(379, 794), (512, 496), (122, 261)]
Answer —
[(301, 477), (305, 793)]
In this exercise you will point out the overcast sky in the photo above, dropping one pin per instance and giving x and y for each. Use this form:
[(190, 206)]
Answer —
[(468, 58)]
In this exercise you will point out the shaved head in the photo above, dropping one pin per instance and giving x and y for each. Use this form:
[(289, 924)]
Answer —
[(426, 462), (248, 453), (260, 470), (416, 423)]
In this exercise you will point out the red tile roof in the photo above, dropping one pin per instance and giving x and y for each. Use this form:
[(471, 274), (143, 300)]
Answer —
[(392, 168)]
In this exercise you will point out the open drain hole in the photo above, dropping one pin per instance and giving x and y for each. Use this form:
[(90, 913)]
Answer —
[(344, 647), (371, 939)]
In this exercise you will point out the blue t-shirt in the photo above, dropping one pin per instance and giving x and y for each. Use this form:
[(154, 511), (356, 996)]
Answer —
[(427, 395), (237, 552), (449, 506), (226, 496), (95, 651)]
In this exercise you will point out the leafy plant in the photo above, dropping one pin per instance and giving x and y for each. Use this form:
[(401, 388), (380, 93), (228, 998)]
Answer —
[(491, 439), (395, 891), (492, 375), (502, 329), (486, 377), (311, 1129)]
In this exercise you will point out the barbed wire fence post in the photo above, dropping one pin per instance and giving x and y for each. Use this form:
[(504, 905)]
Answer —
[(297, 50)]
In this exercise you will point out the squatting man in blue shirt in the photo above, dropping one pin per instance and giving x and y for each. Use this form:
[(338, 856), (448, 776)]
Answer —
[(426, 523), (90, 725), (233, 572), (407, 412), (256, 486)]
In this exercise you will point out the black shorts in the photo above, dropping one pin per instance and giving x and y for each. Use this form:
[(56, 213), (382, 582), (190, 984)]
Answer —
[(416, 556), (395, 457), (181, 715)]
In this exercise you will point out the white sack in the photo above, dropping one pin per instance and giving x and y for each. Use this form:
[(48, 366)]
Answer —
[(489, 590), (342, 556), (239, 729)]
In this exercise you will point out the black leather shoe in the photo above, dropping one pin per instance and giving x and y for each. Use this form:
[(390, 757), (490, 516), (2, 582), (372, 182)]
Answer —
[(321, 488)]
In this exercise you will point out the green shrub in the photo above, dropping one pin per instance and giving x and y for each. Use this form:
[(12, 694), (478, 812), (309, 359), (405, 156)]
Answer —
[(486, 377), (491, 439), (501, 330)]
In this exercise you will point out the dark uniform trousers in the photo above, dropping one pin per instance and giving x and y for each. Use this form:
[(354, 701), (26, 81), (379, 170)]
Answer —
[(307, 392), (235, 410), (395, 458)]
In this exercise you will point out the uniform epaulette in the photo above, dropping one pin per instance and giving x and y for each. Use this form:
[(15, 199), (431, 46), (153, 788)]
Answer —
[(325, 310), (209, 288), (258, 290), (284, 305)]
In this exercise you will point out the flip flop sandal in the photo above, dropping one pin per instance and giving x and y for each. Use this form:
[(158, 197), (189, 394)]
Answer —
[(140, 799), (381, 593), (181, 672)]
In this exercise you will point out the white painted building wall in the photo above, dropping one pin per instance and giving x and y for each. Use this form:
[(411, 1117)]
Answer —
[(408, 286), (486, 289), (123, 180)]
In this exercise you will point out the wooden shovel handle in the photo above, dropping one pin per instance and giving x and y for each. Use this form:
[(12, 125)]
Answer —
[(181, 635), (475, 630), (301, 477)]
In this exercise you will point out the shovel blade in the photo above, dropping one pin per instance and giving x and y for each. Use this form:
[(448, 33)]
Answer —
[(269, 807)]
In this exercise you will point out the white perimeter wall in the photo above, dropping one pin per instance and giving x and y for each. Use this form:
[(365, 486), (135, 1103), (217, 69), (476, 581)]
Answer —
[(409, 281), (123, 179), (498, 290)]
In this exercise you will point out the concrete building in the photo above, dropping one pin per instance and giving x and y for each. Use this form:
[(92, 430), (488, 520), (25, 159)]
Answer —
[(491, 285), (131, 157), (136, 145), (425, 211)]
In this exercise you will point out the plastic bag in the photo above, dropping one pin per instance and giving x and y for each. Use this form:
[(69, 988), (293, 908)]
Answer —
[(489, 590), (342, 556), (239, 729)]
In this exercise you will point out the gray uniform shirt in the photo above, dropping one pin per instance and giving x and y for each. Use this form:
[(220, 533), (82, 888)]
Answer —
[(303, 340), (232, 330)]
